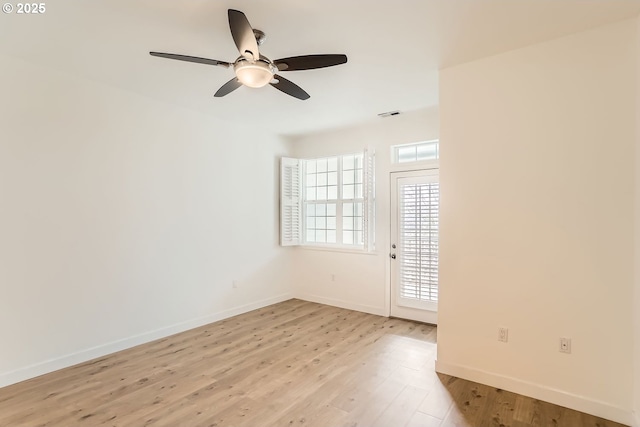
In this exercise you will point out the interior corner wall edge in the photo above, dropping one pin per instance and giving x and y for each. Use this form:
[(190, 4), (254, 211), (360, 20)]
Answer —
[(124, 219), (537, 180)]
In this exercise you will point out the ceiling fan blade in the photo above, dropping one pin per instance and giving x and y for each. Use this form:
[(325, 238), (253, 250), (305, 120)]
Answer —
[(190, 59), (228, 87), (309, 62), (242, 34), (289, 88)]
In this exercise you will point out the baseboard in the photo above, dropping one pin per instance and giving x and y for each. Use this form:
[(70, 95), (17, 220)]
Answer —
[(342, 304), (22, 374), (537, 391)]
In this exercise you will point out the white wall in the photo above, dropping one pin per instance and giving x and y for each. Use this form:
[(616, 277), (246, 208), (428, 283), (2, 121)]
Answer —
[(537, 181), (123, 220), (636, 309), (361, 280)]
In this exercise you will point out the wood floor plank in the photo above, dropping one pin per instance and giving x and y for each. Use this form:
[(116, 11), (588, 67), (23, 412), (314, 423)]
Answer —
[(368, 410), (402, 408), (420, 419), (498, 407), (468, 405), (291, 364), (439, 401)]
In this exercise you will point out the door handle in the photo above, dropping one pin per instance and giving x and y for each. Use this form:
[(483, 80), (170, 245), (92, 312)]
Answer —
[(393, 256)]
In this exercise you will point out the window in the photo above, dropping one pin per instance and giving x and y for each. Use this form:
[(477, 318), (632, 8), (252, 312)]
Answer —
[(331, 205), (416, 152)]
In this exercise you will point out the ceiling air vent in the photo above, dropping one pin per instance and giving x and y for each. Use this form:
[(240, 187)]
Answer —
[(389, 114)]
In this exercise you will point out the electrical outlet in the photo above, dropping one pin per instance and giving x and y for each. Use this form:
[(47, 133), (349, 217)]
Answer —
[(234, 284), (503, 334), (565, 345), (333, 277)]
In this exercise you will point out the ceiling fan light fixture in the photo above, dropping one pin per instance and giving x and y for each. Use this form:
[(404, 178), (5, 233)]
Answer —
[(255, 70), (254, 74)]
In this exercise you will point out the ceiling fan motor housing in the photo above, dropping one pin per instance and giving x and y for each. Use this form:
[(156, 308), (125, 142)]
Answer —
[(260, 36)]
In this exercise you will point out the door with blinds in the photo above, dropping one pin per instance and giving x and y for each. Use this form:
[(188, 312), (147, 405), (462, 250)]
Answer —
[(415, 203)]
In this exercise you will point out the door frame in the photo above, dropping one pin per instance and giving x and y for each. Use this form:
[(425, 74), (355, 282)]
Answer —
[(421, 315)]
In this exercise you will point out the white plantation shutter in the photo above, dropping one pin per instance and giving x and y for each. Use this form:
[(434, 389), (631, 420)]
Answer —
[(418, 243), (290, 202), (368, 223)]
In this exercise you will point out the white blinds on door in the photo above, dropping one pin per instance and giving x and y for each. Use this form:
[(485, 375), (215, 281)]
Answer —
[(419, 205)]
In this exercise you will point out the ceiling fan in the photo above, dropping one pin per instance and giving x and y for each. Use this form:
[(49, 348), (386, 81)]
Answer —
[(255, 70)]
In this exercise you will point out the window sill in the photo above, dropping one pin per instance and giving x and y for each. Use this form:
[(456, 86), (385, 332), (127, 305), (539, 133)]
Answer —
[(338, 249)]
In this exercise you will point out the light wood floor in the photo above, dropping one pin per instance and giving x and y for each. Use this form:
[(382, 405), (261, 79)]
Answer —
[(291, 364)]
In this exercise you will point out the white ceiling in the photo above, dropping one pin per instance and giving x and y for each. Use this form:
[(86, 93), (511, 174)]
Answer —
[(394, 48)]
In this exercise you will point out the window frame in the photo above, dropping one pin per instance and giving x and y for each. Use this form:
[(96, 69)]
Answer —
[(339, 201), (396, 164), (293, 203)]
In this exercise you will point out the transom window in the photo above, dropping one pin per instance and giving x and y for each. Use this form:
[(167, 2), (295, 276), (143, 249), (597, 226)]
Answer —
[(416, 152)]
